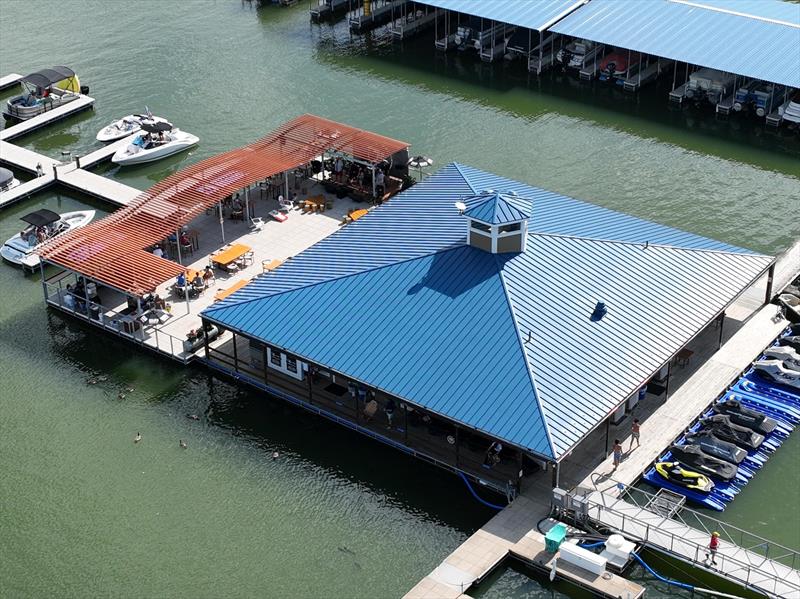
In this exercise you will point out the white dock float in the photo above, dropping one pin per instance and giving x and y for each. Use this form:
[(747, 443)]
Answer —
[(750, 569), (9, 80), (725, 106), (63, 111), (98, 186), (678, 94), (25, 159), (25, 190)]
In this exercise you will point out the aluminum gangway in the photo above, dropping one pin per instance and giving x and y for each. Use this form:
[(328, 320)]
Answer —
[(744, 558)]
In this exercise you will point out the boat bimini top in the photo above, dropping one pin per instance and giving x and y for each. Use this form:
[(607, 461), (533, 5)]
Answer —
[(65, 77), (41, 218)]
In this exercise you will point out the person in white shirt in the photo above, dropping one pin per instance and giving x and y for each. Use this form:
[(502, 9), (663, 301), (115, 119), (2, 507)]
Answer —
[(157, 251)]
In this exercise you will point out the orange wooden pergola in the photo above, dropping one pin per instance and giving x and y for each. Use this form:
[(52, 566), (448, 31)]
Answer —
[(112, 251)]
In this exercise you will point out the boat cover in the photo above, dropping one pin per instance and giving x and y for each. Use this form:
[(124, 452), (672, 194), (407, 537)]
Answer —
[(47, 77), (5, 177), (40, 218)]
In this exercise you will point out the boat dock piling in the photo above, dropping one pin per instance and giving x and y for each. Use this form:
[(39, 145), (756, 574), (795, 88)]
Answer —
[(9, 80), (50, 116)]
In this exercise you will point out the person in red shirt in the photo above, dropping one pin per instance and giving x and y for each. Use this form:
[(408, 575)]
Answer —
[(713, 546)]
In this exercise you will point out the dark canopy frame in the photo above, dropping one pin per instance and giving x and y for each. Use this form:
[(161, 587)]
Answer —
[(47, 77), (40, 218)]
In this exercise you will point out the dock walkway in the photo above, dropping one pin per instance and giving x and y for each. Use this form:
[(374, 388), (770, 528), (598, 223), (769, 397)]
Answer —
[(46, 118), (9, 80), (751, 570)]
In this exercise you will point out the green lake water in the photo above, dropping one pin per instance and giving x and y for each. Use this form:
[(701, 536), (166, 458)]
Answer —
[(86, 513)]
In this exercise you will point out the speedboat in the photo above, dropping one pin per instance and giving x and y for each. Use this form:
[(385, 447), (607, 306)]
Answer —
[(617, 65), (675, 473), (743, 416), (7, 180), (695, 457), (721, 426), (43, 225), (44, 90), (158, 141), (127, 125)]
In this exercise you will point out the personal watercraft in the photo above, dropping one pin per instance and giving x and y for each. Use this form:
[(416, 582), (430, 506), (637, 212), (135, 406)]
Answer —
[(743, 416), (776, 371), (714, 446), (726, 430), (695, 457), (792, 341), (677, 474), (784, 353)]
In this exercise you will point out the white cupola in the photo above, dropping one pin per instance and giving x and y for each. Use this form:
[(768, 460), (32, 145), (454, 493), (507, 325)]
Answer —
[(498, 222)]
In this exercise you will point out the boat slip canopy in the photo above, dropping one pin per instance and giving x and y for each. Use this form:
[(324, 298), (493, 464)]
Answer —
[(538, 15), (754, 38), (502, 343), (47, 77), (40, 218), (112, 251)]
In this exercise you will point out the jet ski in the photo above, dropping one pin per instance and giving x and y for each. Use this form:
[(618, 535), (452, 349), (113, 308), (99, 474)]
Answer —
[(792, 341), (726, 430), (784, 353), (675, 473), (694, 456), (774, 370), (716, 447), (743, 416)]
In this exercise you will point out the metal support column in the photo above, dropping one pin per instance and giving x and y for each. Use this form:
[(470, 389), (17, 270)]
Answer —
[(666, 384), (235, 353), (721, 329), (770, 283), (608, 432), (556, 469)]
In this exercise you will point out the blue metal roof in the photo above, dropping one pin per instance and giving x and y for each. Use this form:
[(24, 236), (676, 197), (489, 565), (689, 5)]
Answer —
[(759, 39), (501, 343), (494, 208), (536, 15)]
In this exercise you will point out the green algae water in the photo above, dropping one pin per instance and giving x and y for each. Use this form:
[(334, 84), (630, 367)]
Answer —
[(86, 513)]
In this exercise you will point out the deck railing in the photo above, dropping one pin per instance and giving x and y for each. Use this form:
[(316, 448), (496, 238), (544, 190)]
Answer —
[(747, 572), (149, 336)]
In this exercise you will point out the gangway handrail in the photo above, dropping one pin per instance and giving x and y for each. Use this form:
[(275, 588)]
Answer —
[(703, 519)]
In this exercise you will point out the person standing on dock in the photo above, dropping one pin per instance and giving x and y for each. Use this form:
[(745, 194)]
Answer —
[(635, 430), (713, 547), (617, 449)]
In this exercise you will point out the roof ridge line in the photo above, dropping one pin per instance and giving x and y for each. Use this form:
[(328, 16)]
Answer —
[(211, 308), (463, 176), (531, 376), (657, 245)]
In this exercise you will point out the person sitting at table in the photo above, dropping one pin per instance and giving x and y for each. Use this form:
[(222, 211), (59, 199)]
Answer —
[(180, 281), (159, 303), (198, 282), (184, 238)]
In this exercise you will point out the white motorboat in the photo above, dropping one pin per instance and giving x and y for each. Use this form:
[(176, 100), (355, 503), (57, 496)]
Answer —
[(127, 125), (7, 180), (43, 225), (44, 90), (157, 141)]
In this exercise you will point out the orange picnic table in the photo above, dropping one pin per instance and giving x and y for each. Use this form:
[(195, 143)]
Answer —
[(233, 253), (220, 295), (267, 267), (356, 214)]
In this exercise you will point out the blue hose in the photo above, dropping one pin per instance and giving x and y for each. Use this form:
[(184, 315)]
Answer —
[(478, 497), (681, 585), (592, 545)]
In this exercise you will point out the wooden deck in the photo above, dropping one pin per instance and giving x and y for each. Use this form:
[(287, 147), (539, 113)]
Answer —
[(46, 118), (687, 543)]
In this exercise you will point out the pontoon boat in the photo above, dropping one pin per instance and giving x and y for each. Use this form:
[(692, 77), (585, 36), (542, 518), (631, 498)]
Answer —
[(44, 90), (792, 111), (43, 225), (158, 141), (577, 54), (127, 125), (7, 180), (709, 84)]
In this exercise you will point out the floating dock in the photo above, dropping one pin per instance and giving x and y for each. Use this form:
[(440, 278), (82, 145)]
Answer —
[(10, 80), (48, 117), (646, 75)]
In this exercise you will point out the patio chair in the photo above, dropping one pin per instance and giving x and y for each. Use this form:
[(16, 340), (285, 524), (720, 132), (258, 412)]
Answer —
[(285, 205), (256, 224)]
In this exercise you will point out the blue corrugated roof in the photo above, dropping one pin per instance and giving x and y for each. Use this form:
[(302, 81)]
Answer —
[(495, 208), (536, 15), (742, 37), (501, 343)]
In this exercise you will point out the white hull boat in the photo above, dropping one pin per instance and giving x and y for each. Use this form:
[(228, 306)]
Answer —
[(21, 248), (126, 126), (149, 147)]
